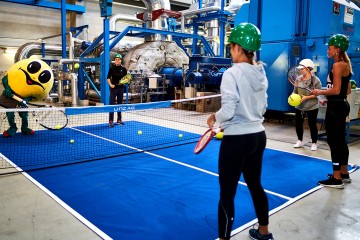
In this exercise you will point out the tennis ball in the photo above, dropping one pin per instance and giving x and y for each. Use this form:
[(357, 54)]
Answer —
[(180, 135), (294, 100), (58, 126), (72, 141), (139, 132), (219, 135), (76, 65)]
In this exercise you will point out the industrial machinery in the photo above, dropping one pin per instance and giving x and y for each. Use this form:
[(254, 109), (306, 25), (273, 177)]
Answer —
[(186, 51), (298, 30)]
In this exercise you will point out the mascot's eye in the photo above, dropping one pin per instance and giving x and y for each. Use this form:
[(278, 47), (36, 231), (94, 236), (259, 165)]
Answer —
[(34, 67), (45, 76)]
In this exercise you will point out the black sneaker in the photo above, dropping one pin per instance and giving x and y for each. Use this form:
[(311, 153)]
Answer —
[(345, 177), (120, 122), (111, 124), (332, 182), (256, 235)]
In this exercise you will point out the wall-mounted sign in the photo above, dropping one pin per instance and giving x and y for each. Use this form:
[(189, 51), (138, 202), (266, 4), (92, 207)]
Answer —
[(349, 15), (336, 8)]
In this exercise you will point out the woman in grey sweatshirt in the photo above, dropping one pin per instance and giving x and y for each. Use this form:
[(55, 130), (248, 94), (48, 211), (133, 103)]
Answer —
[(243, 104)]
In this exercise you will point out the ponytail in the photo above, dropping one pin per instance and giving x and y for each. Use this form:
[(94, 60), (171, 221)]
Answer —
[(344, 57)]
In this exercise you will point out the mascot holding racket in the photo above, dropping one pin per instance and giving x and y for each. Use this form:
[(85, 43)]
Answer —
[(26, 80)]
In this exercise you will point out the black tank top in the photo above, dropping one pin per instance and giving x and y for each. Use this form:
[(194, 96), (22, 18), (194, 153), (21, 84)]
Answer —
[(343, 87)]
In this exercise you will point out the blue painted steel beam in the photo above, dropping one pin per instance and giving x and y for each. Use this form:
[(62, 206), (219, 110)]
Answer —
[(91, 83), (77, 30), (48, 4), (63, 29), (105, 64), (255, 16), (141, 32)]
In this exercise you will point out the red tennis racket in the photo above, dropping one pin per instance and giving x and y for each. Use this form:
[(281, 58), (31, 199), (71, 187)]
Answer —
[(205, 139), (300, 76)]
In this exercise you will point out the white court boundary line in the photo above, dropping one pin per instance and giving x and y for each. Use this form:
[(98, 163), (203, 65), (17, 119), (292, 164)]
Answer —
[(254, 221), (60, 202)]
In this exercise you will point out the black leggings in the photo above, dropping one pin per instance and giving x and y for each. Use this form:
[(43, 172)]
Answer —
[(241, 154), (299, 123), (335, 121)]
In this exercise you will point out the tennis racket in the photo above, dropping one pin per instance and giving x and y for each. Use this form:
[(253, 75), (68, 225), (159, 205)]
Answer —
[(205, 139), (125, 79), (300, 77), (51, 119)]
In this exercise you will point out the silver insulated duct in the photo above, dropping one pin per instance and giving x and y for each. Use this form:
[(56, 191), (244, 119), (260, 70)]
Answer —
[(157, 50), (34, 48), (160, 23)]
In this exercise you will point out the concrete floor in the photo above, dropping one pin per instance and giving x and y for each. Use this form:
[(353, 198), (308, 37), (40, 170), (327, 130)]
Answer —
[(26, 212)]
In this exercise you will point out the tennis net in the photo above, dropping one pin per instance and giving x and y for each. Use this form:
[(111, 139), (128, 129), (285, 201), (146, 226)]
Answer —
[(87, 135)]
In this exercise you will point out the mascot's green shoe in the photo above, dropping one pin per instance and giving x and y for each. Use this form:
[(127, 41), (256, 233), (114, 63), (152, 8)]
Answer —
[(10, 132), (27, 131)]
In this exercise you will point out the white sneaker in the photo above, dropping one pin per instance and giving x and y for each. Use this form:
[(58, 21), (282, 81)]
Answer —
[(298, 144), (313, 147)]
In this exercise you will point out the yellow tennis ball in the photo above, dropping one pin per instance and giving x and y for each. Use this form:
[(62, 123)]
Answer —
[(219, 135), (72, 141), (76, 65), (294, 100), (58, 126), (139, 132), (180, 135)]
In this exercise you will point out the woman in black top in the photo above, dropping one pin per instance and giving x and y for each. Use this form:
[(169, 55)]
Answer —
[(338, 87), (116, 72)]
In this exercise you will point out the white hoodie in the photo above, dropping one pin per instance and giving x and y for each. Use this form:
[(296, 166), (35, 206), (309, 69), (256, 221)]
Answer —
[(243, 99)]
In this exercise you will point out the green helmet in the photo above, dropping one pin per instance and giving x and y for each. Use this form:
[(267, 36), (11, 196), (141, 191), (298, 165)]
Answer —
[(247, 35), (118, 56), (353, 84), (340, 41)]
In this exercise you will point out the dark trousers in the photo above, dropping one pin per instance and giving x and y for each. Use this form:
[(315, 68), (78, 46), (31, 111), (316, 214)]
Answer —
[(24, 120), (241, 154), (299, 123), (335, 121), (116, 96)]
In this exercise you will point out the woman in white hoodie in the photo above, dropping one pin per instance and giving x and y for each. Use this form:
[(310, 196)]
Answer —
[(243, 104)]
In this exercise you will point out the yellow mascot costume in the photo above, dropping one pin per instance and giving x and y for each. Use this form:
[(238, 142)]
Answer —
[(29, 79)]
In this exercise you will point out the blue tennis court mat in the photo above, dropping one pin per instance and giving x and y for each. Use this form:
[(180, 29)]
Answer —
[(168, 193)]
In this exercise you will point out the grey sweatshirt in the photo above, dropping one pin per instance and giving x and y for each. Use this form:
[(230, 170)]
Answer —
[(243, 99)]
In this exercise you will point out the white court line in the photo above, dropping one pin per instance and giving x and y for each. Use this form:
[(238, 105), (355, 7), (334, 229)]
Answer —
[(173, 161), (60, 202), (354, 166), (275, 210), (254, 221)]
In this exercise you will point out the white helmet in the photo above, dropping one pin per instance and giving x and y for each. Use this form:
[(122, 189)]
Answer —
[(307, 63)]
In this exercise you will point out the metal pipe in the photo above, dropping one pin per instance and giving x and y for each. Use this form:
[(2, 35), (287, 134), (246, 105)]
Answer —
[(35, 48), (60, 89), (74, 89), (160, 23), (123, 18), (152, 5), (196, 11), (29, 49), (66, 60), (71, 47), (73, 99)]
